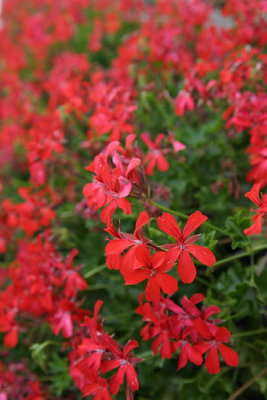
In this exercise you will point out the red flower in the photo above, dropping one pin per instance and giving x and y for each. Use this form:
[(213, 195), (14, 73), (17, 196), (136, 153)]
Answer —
[(215, 337), (98, 388), (261, 213), (123, 241), (155, 155), (154, 269), (185, 245), (182, 102), (124, 362), (188, 351)]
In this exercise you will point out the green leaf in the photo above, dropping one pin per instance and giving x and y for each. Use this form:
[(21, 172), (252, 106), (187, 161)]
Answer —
[(235, 226)]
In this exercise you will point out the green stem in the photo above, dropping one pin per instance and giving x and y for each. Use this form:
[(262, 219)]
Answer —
[(238, 392), (184, 216), (116, 316), (250, 333), (240, 255), (96, 287), (95, 271)]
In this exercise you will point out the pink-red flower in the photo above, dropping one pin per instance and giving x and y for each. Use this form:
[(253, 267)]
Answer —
[(155, 156)]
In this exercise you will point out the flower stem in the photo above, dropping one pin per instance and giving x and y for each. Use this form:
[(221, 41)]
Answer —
[(240, 255), (184, 216), (256, 332), (95, 271), (238, 392)]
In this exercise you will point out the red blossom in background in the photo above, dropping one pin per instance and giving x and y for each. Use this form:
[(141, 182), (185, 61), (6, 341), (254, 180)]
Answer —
[(155, 155), (183, 102)]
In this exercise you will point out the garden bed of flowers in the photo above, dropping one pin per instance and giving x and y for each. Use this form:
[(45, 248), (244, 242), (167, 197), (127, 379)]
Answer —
[(133, 167)]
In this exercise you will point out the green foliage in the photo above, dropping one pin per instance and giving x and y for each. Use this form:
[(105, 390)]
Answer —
[(235, 226)]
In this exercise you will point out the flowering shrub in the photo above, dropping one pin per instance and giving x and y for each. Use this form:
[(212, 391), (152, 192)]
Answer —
[(133, 167)]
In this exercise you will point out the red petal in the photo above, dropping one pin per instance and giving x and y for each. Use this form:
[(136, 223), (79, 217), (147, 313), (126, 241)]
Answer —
[(136, 276), (147, 140), (158, 259), (168, 224), (141, 221), (132, 344), (107, 212), (172, 256), (142, 254), (150, 167), (11, 338), (117, 380), (193, 355), (256, 227), (109, 365), (186, 268), (193, 222), (197, 298), (223, 335), (132, 377), (229, 355), (125, 206), (117, 246), (203, 329), (253, 194), (165, 351), (162, 163), (113, 261), (152, 290), (167, 283), (135, 162), (202, 254), (183, 359), (212, 361)]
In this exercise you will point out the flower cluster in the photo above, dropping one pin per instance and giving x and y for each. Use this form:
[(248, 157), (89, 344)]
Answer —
[(188, 329), (95, 353), (137, 264), (42, 286)]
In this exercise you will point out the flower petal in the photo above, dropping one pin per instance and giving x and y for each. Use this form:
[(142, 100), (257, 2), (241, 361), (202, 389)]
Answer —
[(117, 246), (141, 221), (142, 254), (186, 268), (168, 224), (193, 222), (183, 359), (202, 254), (167, 283), (152, 290), (229, 355), (193, 355), (162, 163), (117, 380), (131, 377), (136, 276), (212, 361)]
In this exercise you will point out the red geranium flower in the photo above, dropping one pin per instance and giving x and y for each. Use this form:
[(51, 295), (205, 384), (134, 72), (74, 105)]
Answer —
[(185, 245), (261, 213), (154, 269), (216, 337)]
